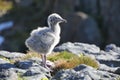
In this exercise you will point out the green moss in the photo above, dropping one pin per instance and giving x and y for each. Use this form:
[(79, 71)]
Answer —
[(65, 60), (61, 55), (4, 58), (45, 78), (88, 61)]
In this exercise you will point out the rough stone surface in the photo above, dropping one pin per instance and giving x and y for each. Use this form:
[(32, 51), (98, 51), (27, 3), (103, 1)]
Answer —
[(117, 71), (87, 73), (38, 61), (112, 47), (111, 56), (78, 48), (23, 64), (5, 64), (32, 68), (104, 67), (11, 55), (8, 75), (37, 70)]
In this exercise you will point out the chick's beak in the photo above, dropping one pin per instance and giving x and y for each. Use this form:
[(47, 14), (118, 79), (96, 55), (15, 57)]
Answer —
[(64, 20)]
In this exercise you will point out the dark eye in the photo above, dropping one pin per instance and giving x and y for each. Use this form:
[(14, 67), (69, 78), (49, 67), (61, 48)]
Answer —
[(51, 20)]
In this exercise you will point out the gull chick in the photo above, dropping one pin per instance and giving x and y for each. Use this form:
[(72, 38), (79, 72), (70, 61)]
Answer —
[(43, 40)]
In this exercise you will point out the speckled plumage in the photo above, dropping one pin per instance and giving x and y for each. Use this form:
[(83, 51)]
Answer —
[(43, 40)]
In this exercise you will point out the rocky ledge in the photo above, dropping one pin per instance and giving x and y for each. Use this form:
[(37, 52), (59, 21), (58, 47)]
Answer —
[(31, 69)]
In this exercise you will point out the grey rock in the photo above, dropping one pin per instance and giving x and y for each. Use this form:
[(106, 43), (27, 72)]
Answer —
[(110, 58), (107, 55), (117, 71), (104, 67), (11, 55), (82, 67), (68, 75), (111, 63), (32, 69), (85, 74), (26, 64), (8, 75), (38, 62), (18, 70), (112, 47), (37, 70), (5, 64), (78, 48), (82, 28), (23, 64)]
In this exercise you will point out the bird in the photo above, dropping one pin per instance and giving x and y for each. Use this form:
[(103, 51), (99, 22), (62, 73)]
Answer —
[(43, 39)]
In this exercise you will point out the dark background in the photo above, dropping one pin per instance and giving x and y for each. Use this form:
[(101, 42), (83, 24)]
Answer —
[(89, 21)]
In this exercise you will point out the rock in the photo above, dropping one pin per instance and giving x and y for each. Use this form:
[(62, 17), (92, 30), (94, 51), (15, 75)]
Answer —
[(37, 71), (103, 55), (81, 28), (26, 64), (68, 74), (112, 47), (8, 75), (19, 71), (78, 48), (117, 71), (83, 74), (23, 64), (109, 58), (5, 64), (11, 55), (32, 69), (38, 62), (111, 63), (104, 67), (82, 67)]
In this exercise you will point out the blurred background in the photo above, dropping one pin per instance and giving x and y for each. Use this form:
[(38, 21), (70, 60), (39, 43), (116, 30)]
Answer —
[(89, 21)]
